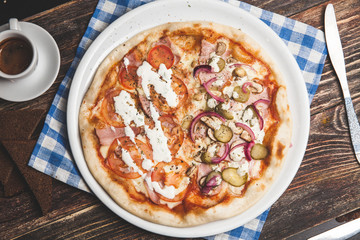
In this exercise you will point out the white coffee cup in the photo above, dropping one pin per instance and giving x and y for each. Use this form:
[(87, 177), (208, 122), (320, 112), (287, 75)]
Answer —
[(18, 53)]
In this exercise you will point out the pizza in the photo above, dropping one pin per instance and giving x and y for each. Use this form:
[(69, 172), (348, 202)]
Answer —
[(186, 123)]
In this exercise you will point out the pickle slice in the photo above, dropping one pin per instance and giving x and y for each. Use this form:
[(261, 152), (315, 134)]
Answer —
[(240, 96), (186, 122), (231, 176), (223, 134), (259, 151), (206, 157), (219, 62), (225, 113)]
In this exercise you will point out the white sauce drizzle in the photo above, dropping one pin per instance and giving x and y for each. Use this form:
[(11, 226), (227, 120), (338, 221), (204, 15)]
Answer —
[(166, 191), (130, 133), (158, 140), (129, 161), (126, 63), (125, 107), (161, 81)]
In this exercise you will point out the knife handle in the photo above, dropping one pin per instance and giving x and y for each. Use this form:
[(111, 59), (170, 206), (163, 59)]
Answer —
[(353, 124)]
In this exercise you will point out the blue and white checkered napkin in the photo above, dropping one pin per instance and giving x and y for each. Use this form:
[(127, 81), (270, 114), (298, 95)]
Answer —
[(52, 152)]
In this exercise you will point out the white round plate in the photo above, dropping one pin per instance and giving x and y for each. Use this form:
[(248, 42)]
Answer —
[(45, 73), (159, 12)]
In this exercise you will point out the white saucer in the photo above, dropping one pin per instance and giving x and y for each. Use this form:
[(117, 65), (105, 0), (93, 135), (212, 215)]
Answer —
[(45, 73)]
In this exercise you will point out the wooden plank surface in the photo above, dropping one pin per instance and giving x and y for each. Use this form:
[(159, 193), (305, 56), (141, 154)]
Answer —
[(325, 187), (321, 191)]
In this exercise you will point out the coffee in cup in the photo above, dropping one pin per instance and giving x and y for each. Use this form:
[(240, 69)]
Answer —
[(15, 55), (18, 55)]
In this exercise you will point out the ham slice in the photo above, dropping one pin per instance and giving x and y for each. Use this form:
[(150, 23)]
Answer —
[(134, 60), (107, 135), (206, 49), (153, 196), (145, 104), (203, 170), (205, 77), (223, 75)]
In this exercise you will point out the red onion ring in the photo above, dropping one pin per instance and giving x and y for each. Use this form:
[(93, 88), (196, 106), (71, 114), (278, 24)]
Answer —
[(237, 146), (245, 85), (212, 183), (264, 101), (197, 118), (206, 189), (261, 120), (248, 150), (246, 128), (201, 68), (207, 88), (217, 160), (242, 64)]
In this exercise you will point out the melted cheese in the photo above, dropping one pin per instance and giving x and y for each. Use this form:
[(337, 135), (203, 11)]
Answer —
[(211, 103), (243, 168), (214, 62), (237, 154), (104, 150)]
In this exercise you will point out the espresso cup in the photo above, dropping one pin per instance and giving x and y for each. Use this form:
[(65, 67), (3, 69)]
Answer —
[(18, 53)]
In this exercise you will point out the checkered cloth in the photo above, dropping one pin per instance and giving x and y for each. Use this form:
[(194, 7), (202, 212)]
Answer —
[(52, 152)]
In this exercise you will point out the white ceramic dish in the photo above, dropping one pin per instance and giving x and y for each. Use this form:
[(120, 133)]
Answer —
[(159, 12), (44, 74)]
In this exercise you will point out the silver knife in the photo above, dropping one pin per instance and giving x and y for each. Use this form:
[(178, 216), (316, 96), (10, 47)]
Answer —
[(330, 230), (337, 59)]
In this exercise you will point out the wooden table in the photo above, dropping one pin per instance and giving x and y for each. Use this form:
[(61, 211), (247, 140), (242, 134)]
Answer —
[(325, 187)]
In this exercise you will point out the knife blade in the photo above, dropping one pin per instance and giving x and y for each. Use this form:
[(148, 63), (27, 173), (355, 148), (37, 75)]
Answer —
[(331, 230), (336, 54)]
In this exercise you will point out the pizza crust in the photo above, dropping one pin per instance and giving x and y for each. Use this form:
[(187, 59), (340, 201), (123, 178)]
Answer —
[(160, 214)]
